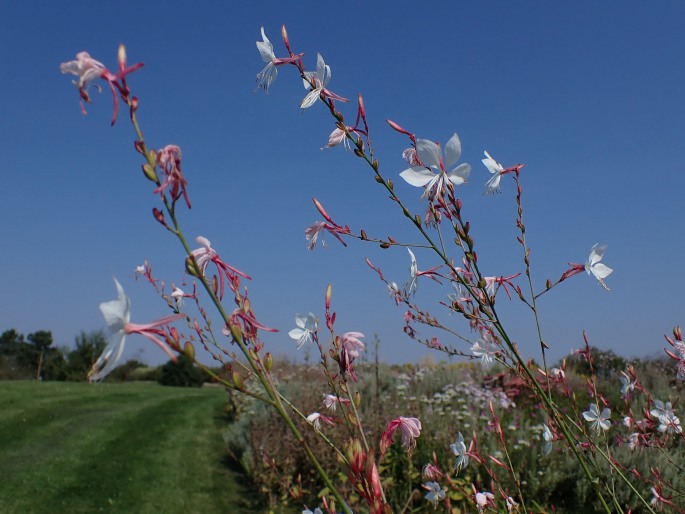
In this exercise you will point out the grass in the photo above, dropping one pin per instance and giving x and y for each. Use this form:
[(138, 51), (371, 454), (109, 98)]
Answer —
[(129, 448)]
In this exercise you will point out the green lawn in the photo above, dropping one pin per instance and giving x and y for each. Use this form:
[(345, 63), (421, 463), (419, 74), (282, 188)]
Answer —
[(125, 448)]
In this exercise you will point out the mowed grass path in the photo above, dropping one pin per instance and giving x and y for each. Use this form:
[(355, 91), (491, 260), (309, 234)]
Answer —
[(116, 448)]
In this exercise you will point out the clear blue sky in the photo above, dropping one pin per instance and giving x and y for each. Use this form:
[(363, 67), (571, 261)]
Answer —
[(589, 96)]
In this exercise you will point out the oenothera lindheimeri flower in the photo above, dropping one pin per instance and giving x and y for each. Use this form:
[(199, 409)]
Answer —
[(306, 328), (492, 185), (312, 232), (484, 499), (414, 274), (315, 418), (117, 314), (350, 346), (169, 162), (410, 429), (548, 437), (88, 69), (206, 254), (668, 421), (435, 493), (460, 452), (316, 82), (598, 421), (332, 401), (269, 73), (315, 511), (433, 174), (593, 266), (484, 351)]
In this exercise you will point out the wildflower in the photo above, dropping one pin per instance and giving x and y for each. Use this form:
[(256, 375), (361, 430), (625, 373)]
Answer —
[(169, 161), (557, 374), (491, 282), (206, 254), (394, 291), (483, 350), (483, 500), (410, 428), (593, 266), (337, 137), (668, 421), (492, 185), (117, 314), (312, 233), (435, 493), (306, 328), (626, 385), (351, 345), (87, 70), (511, 505), (431, 472), (269, 73), (430, 156), (633, 440), (331, 401), (316, 510), (178, 296), (598, 421), (548, 437), (414, 274), (317, 82), (315, 418), (459, 450)]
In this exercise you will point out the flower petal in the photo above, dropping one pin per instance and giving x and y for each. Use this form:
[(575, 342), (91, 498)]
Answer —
[(417, 176), (452, 150), (429, 153), (459, 174), (310, 99), (601, 271), (117, 312)]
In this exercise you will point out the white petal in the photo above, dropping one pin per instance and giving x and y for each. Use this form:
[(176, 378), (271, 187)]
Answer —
[(597, 254), (459, 174), (417, 176), (428, 152), (601, 271), (266, 50), (310, 99), (110, 356), (117, 312), (452, 150), (492, 185), (492, 165), (296, 333)]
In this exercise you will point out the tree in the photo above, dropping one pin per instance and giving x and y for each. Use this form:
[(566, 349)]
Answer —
[(88, 347), (182, 373)]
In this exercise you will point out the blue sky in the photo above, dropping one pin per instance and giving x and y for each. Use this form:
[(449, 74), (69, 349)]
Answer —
[(590, 97)]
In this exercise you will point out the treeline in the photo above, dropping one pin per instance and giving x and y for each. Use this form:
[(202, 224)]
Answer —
[(34, 357)]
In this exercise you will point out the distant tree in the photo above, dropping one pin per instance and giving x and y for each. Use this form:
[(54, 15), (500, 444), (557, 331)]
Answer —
[(87, 349), (10, 341), (182, 373)]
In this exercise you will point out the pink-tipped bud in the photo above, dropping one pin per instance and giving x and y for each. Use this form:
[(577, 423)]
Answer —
[(323, 212), (678, 334), (122, 57), (329, 293), (399, 129)]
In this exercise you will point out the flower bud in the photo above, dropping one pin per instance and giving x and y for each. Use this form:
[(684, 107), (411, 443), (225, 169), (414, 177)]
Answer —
[(122, 57), (678, 334), (268, 361), (238, 381), (192, 268), (357, 399), (189, 350), (149, 172)]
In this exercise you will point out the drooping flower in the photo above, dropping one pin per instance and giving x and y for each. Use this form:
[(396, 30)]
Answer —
[(319, 79), (332, 401), (315, 418), (433, 174), (410, 429), (178, 294), (269, 73), (306, 328), (169, 162), (460, 452), (435, 493), (627, 385), (594, 267), (598, 421), (87, 70), (206, 254), (492, 185), (117, 314)]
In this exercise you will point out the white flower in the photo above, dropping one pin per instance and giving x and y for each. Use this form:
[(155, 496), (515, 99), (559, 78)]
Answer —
[(178, 295), (492, 185), (306, 327), (548, 437), (598, 421), (117, 314), (413, 283), (435, 493), (269, 73), (593, 266), (459, 450), (482, 349), (320, 78), (432, 175), (483, 500), (668, 421), (315, 511), (314, 419), (626, 385)]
